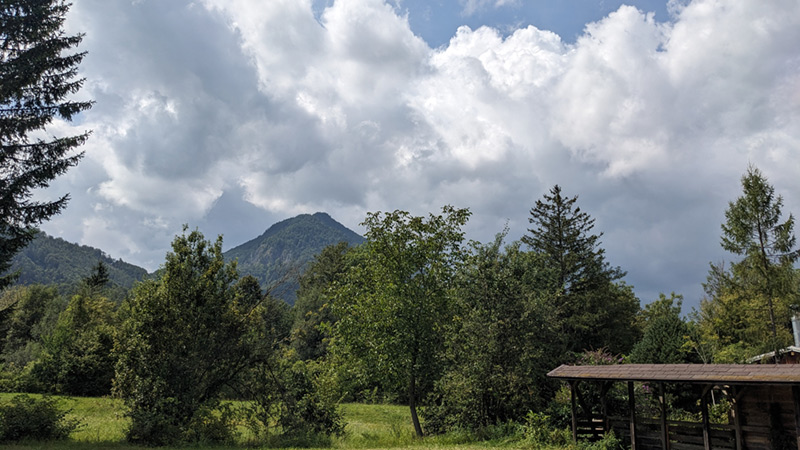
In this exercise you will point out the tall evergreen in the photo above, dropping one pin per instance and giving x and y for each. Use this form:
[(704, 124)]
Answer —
[(36, 77), (592, 308), (563, 233), (754, 229)]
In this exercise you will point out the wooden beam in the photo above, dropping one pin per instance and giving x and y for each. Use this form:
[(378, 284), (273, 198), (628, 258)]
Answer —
[(704, 413), (632, 407), (662, 399)]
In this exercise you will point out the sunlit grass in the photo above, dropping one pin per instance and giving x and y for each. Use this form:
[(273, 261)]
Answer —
[(368, 427)]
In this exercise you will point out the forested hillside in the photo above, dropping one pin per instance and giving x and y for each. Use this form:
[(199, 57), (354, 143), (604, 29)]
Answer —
[(278, 257), (49, 260)]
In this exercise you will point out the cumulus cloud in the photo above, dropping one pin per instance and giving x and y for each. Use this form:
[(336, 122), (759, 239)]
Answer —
[(212, 109)]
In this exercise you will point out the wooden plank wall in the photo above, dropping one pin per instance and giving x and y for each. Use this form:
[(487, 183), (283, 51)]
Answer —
[(765, 407), (682, 435), (764, 411)]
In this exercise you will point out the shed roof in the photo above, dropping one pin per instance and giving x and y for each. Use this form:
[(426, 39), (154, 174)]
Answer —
[(791, 350), (684, 373)]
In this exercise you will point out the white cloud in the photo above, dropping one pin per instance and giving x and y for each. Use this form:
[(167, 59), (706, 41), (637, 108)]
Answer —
[(348, 111)]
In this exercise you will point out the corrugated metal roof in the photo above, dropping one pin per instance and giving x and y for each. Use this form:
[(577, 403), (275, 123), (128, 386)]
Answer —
[(686, 373)]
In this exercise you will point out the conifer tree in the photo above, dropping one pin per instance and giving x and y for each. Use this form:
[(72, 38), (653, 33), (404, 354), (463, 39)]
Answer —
[(754, 229), (593, 310), (563, 233), (36, 77)]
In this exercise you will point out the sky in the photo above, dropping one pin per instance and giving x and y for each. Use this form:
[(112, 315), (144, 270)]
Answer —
[(231, 115)]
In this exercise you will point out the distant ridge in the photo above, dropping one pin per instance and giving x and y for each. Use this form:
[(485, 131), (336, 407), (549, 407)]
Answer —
[(286, 248), (51, 260)]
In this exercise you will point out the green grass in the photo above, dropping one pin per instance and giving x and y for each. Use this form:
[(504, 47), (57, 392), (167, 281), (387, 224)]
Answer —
[(368, 427)]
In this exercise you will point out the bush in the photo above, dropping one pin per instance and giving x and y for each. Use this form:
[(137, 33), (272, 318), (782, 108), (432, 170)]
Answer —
[(25, 417), (539, 431), (213, 426), (186, 336), (291, 398), (77, 357), (608, 442)]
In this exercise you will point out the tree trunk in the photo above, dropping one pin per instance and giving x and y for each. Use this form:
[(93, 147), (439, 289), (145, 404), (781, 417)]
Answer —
[(412, 404)]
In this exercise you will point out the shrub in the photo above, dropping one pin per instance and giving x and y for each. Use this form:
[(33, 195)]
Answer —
[(608, 442), (25, 417), (292, 396), (213, 426), (540, 432), (186, 336)]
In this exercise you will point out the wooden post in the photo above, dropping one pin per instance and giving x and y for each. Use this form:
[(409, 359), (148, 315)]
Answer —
[(704, 412), (604, 403), (632, 407), (796, 396), (573, 385), (664, 429), (737, 416)]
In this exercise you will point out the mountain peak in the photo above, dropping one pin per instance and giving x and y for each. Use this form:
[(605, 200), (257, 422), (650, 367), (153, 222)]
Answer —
[(286, 248)]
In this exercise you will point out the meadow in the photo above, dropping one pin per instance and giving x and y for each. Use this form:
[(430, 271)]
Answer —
[(368, 427)]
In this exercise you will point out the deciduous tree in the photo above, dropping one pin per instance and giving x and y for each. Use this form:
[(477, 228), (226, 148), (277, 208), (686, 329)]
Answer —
[(393, 307), (499, 346)]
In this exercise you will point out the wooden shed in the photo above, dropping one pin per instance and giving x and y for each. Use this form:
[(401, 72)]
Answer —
[(764, 399)]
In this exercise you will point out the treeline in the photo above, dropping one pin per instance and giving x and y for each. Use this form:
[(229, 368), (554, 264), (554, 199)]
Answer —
[(53, 261), (462, 332)]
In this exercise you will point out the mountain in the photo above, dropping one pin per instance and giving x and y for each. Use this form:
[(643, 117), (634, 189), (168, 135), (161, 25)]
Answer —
[(50, 260), (279, 256)]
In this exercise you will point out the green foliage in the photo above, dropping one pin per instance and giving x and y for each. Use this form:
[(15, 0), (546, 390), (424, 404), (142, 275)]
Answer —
[(77, 357), (753, 228), (33, 314), (183, 339), (393, 307), (25, 417), (35, 80), (291, 398), (498, 350), (665, 334), (313, 315), (562, 232), (592, 310), (748, 306), (99, 277), (53, 261), (539, 432), (609, 441), (213, 426), (196, 333)]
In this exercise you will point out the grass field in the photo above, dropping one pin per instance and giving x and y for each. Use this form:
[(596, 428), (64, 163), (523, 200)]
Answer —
[(368, 427)]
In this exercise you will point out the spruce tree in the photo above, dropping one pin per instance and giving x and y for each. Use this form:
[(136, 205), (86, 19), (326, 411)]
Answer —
[(592, 309), (563, 234), (36, 77)]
